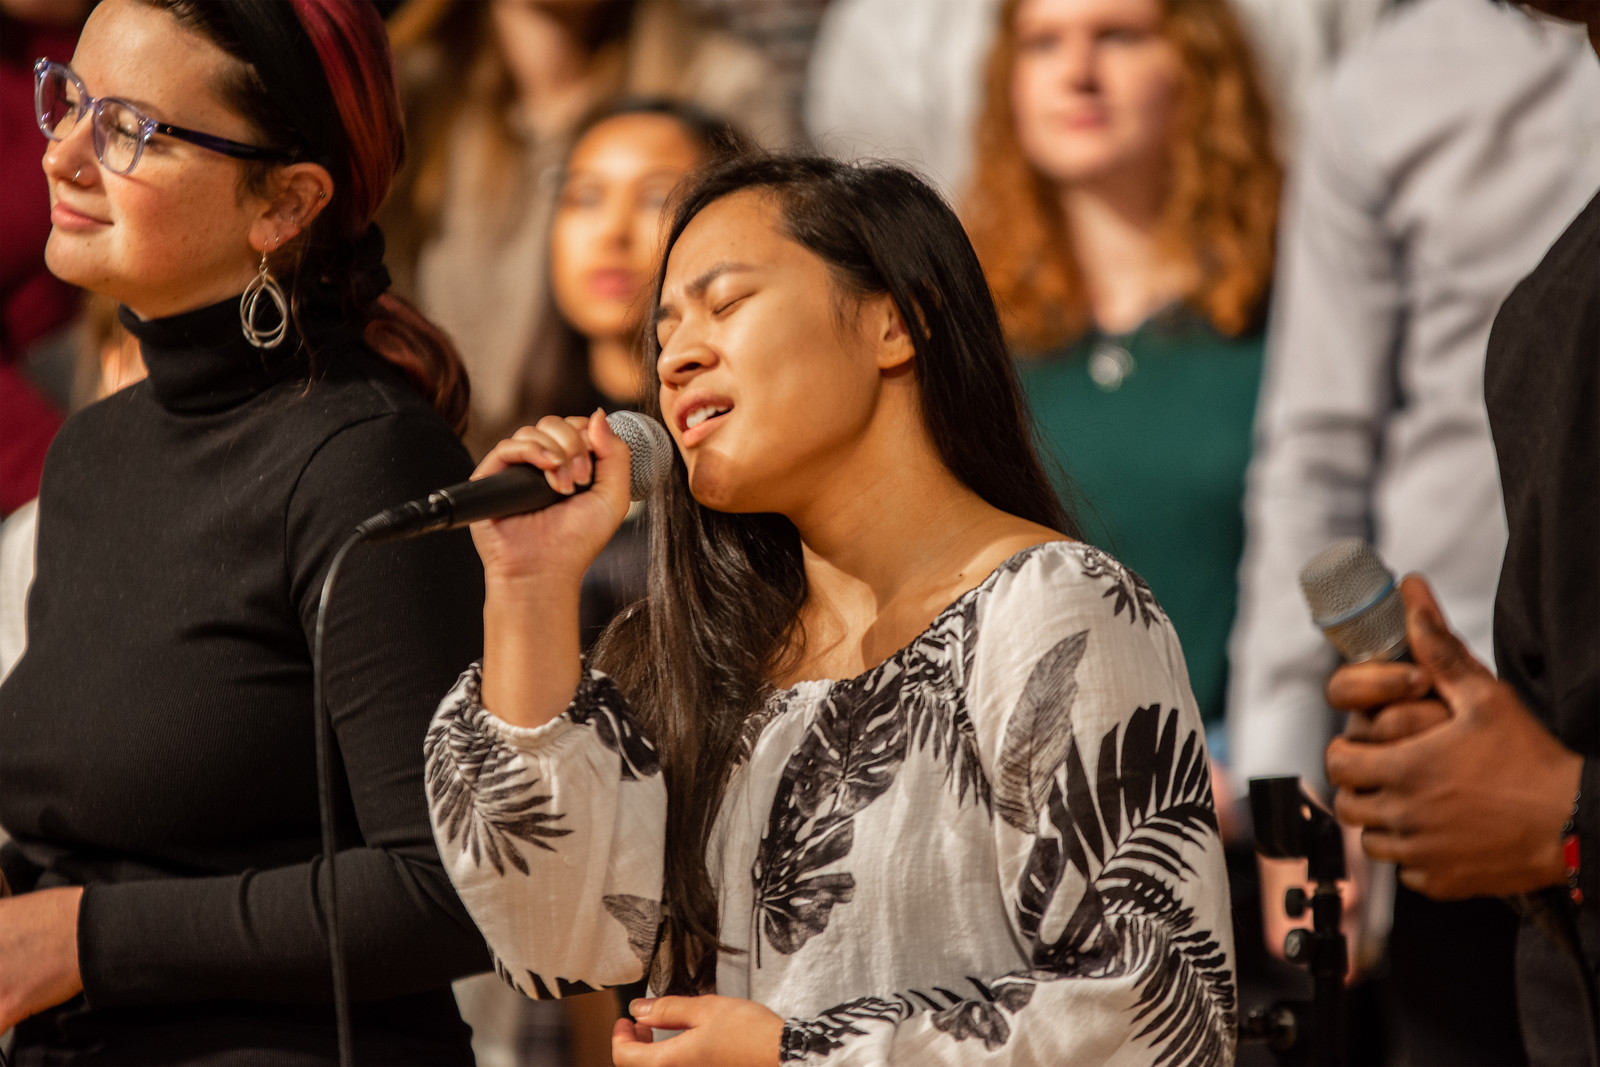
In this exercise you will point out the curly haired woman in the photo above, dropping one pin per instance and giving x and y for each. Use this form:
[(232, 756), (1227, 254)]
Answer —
[(1124, 208)]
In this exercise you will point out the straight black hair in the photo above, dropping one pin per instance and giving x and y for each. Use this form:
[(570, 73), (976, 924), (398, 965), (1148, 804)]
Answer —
[(696, 658)]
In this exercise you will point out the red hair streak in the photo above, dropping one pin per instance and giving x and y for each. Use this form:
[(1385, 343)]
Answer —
[(353, 46)]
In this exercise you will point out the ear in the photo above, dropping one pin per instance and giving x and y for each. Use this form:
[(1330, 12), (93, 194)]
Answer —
[(886, 330), (299, 193)]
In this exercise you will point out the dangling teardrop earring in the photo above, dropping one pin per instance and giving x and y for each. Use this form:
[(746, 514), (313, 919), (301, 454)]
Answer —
[(263, 283)]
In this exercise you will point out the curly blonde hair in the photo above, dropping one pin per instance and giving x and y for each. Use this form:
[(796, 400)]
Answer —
[(1221, 206)]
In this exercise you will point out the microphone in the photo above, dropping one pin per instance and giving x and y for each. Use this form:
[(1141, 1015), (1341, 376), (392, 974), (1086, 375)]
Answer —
[(1355, 601), (520, 489)]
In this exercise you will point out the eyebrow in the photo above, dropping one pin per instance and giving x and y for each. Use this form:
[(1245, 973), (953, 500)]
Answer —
[(697, 287)]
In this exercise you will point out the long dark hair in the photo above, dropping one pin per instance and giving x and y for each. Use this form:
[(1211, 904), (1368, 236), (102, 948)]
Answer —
[(560, 383), (725, 590), (316, 79)]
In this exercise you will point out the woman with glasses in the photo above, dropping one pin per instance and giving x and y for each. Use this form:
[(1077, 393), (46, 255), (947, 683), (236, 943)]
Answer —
[(215, 168)]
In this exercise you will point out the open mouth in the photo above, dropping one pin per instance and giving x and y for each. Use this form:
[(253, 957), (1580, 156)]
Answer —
[(705, 413)]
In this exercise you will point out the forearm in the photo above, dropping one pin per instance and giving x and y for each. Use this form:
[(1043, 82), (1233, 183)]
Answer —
[(259, 936), (532, 660), (553, 836)]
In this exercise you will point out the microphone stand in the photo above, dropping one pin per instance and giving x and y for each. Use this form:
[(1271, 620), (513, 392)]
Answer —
[(1289, 826)]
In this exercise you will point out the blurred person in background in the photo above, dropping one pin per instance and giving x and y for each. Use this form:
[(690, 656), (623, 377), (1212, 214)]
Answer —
[(1124, 206), (902, 80), (1300, 41), (107, 360), (493, 92), (604, 249), (34, 304), (1437, 166), (605, 236)]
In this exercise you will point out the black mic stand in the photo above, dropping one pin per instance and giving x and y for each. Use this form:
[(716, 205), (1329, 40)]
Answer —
[(1289, 826)]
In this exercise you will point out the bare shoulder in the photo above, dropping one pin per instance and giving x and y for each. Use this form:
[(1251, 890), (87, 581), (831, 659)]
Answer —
[(1009, 536)]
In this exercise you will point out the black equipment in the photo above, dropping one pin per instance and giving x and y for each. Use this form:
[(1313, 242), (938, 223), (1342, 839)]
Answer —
[(1290, 826)]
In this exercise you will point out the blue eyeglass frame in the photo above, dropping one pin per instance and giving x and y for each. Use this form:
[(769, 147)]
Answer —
[(148, 127)]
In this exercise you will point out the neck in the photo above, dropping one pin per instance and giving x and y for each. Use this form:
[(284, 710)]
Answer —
[(1115, 226), (884, 548), (614, 370), (149, 306), (546, 52)]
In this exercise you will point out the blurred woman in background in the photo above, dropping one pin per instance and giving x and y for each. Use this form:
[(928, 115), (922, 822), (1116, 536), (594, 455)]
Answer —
[(605, 239), (1123, 207), (493, 93), (605, 242)]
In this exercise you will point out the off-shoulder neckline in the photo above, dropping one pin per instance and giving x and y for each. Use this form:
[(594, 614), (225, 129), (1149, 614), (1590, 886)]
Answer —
[(1005, 566)]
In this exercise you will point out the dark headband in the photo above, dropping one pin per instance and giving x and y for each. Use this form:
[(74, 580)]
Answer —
[(291, 70)]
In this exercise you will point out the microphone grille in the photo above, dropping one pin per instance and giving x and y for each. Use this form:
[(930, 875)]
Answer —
[(1353, 599), (649, 446)]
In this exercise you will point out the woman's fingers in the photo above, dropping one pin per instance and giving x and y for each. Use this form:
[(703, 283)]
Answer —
[(555, 446), (580, 450), (632, 1044)]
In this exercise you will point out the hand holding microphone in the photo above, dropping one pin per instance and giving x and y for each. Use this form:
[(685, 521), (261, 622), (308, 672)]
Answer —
[(622, 456), (581, 464), (1449, 775), (542, 505), (1359, 607)]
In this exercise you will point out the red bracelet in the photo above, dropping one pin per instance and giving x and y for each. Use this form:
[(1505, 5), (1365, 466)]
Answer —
[(1570, 854)]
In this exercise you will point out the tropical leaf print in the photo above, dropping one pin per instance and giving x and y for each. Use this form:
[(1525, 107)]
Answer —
[(1124, 830), (1038, 733), (985, 1018), (851, 753), (480, 791), (827, 1032), (640, 917), (1126, 590), (604, 708), (934, 696), (848, 758)]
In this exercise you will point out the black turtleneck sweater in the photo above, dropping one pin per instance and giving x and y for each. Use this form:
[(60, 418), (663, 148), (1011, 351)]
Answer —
[(156, 739)]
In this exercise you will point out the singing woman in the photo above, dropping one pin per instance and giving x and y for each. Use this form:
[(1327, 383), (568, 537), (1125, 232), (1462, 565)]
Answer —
[(215, 168), (887, 768)]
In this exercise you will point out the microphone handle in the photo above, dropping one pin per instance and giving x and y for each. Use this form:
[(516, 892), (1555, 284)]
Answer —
[(514, 491)]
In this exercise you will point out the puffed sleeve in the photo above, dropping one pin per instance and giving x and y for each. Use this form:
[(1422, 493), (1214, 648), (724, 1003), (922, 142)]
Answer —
[(1105, 842), (552, 835)]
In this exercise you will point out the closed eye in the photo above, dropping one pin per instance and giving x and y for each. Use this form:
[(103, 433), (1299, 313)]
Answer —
[(728, 305)]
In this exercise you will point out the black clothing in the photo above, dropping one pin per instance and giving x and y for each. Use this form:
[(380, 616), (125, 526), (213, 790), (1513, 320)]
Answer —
[(156, 738), (1542, 384)]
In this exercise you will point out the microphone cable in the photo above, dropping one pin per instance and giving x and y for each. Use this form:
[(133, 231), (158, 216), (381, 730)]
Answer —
[(329, 905), (650, 452)]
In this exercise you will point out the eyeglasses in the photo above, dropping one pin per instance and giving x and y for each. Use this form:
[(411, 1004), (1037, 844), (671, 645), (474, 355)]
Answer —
[(120, 130)]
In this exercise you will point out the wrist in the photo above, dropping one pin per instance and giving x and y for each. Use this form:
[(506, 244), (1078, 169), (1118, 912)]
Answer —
[(1562, 854), (532, 587)]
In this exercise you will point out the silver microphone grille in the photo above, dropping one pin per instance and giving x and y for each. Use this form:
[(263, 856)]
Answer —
[(649, 446), (1354, 600)]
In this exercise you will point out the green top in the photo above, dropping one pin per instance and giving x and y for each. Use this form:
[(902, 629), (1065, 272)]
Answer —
[(1152, 430)]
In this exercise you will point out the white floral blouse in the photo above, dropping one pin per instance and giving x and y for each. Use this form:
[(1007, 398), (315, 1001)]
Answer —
[(997, 846)]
